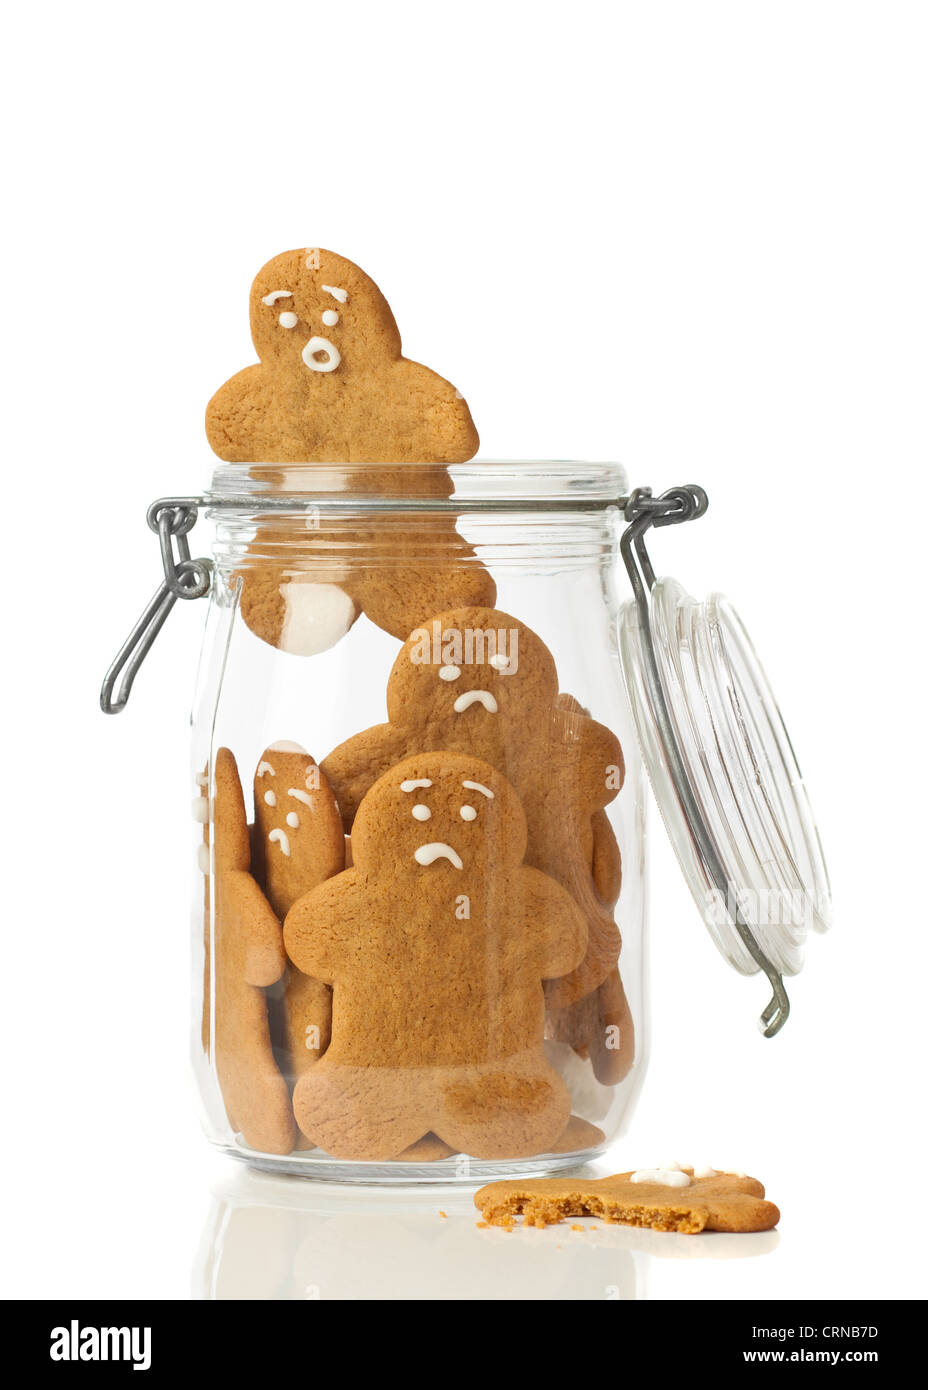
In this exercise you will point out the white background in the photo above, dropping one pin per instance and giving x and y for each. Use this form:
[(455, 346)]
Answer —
[(688, 236)]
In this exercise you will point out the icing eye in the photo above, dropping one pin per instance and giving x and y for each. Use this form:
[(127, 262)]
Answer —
[(288, 319), (330, 318), (293, 820), (449, 673), (499, 661), (421, 813), (270, 798), (468, 813)]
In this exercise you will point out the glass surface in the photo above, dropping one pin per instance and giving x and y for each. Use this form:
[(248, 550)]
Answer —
[(438, 1048), (742, 771)]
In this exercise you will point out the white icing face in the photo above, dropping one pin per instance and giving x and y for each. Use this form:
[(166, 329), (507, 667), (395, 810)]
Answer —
[(421, 813), (664, 1177), (320, 355), (270, 798), (265, 768), (478, 787), (271, 299), (336, 293), (500, 662), (468, 813), (476, 697), (299, 795), (412, 783), (293, 820), (281, 837), (428, 854), (329, 318), (449, 673), (288, 319)]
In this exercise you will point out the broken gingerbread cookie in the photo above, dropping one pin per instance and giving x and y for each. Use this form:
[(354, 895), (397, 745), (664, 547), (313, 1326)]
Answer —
[(679, 1199)]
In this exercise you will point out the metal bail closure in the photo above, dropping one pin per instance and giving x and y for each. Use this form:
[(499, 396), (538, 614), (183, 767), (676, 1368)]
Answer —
[(720, 761), (171, 518)]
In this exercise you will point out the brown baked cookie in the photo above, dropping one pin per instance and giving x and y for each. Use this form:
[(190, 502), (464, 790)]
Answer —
[(598, 839), (332, 383), (722, 1202), (299, 842), (579, 1134), (332, 386), (436, 944), (599, 1026), (606, 861), (477, 681), (428, 1149), (248, 958)]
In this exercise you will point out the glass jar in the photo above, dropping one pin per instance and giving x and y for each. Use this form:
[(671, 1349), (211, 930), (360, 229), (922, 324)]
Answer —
[(420, 809)]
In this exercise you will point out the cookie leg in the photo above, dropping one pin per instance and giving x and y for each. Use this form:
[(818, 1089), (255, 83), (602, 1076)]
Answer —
[(306, 1022), (371, 1113), (508, 1109), (599, 1026), (256, 1097)]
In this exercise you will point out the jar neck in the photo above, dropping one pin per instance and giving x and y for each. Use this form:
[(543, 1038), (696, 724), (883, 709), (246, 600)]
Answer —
[(522, 513)]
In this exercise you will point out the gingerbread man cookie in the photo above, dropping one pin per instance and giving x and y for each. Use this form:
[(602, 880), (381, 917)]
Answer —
[(436, 944), (332, 383), (332, 386), (248, 957), (477, 681), (674, 1199), (298, 843)]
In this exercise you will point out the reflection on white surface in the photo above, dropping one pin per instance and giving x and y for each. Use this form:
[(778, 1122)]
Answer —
[(281, 1238)]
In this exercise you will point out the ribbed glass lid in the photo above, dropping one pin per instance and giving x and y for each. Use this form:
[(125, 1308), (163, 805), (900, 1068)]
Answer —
[(490, 483), (726, 778)]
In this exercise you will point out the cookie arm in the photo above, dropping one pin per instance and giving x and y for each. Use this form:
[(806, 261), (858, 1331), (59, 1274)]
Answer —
[(263, 956), (354, 766), (557, 927), (321, 925), (603, 763)]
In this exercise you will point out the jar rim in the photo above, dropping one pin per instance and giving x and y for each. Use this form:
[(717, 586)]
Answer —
[(478, 485)]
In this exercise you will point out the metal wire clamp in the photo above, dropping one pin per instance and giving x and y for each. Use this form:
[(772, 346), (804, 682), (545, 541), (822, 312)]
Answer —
[(171, 519), (643, 511)]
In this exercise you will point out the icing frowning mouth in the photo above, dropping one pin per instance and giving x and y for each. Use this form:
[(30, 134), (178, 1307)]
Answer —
[(427, 854), (474, 697)]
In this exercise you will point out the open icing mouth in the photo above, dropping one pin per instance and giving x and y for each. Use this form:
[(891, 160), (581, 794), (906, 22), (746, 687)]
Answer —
[(427, 854), (476, 697), (320, 355)]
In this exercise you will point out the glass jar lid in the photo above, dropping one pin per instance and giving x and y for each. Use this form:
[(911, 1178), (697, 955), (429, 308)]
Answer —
[(724, 772)]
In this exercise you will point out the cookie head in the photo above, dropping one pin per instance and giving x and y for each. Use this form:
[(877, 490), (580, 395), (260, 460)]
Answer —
[(439, 818), (470, 667), (314, 314)]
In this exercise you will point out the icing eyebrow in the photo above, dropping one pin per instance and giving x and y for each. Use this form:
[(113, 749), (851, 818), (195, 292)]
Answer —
[(273, 297), (412, 783), (336, 293), (478, 787)]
